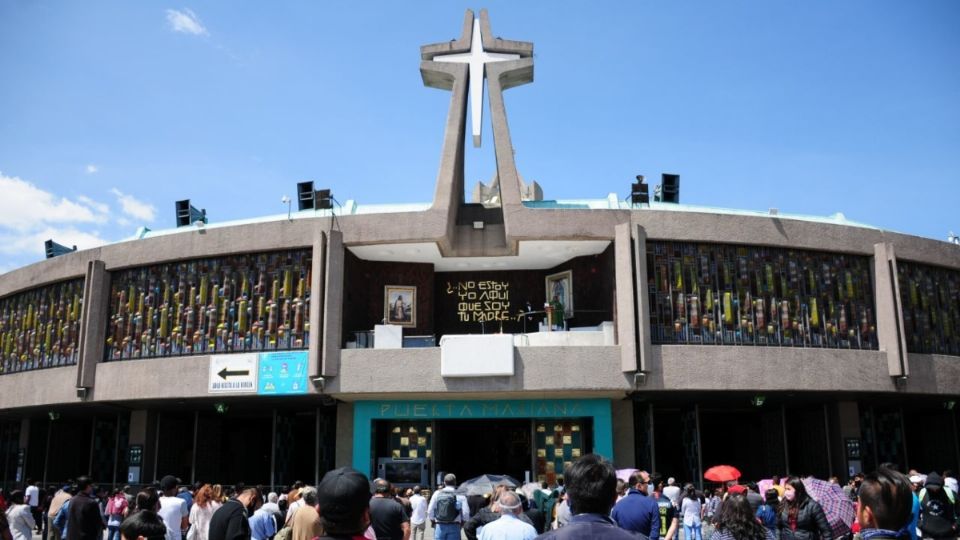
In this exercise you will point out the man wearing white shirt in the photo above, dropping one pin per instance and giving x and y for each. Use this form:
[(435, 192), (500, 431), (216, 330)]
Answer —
[(173, 510), (509, 526), (31, 496), (418, 518)]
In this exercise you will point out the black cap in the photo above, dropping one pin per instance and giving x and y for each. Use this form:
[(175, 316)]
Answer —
[(933, 479), (343, 495), (168, 482)]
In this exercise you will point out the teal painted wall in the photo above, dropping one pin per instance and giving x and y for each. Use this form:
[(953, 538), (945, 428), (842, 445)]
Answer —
[(365, 412)]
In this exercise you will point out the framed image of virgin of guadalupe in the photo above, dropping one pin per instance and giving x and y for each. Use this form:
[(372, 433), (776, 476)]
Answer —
[(400, 305), (560, 288)]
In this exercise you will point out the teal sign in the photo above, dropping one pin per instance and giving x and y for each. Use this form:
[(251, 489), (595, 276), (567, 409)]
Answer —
[(282, 373), (366, 412)]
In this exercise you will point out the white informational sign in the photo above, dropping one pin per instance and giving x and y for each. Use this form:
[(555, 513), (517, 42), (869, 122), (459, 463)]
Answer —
[(489, 355), (233, 373)]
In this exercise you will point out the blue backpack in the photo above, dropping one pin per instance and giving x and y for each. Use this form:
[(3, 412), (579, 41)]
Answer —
[(767, 516)]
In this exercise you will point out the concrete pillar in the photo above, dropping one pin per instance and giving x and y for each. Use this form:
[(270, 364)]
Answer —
[(317, 281), (890, 331), (344, 446), (333, 305), (623, 435), (93, 324), (848, 427), (626, 311), (645, 346), (143, 431)]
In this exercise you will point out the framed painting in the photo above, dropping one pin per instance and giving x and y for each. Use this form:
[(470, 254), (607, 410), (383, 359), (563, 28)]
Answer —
[(560, 285), (400, 305)]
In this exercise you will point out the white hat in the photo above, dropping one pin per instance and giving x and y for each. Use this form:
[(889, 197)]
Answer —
[(916, 479), (671, 481), (950, 483)]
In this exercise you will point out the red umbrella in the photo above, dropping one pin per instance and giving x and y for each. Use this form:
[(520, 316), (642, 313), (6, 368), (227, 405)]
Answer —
[(722, 473)]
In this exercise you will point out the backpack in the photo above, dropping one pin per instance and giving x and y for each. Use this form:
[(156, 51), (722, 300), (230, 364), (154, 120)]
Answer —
[(936, 518), (447, 507), (767, 516)]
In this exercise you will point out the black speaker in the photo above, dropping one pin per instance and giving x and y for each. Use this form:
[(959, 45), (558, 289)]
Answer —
[(324, 199), (671, 188), (54, 249), (306, 197), (640, 193), (187, 214)]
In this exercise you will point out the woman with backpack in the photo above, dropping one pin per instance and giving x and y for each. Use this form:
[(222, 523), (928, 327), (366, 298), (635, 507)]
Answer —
[(692, 511), (116, 511), (767, 513), (735, 521), (801, 517), (937, 517)]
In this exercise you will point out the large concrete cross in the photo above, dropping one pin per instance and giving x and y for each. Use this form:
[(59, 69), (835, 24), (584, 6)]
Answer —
[(461, 66), (476, 59)]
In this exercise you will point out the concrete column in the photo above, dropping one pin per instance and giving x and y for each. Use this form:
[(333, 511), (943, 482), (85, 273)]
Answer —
[(890, 330), (626, 311), (344, 446), (93, 323), (623, 434), (143, 430), (645, 346), (317, 275), (848, 426), (333, 305)]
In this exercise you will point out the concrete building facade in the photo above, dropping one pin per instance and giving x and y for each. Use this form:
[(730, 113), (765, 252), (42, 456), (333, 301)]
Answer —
[(689, 337)]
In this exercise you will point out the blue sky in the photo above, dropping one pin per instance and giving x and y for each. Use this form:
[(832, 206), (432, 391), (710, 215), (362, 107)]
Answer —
[(112, 110)]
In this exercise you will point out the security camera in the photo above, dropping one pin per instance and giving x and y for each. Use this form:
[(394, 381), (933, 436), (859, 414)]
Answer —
[(318, 382)]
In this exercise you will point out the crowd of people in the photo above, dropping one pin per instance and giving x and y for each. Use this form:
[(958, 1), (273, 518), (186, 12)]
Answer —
[(592, 503)]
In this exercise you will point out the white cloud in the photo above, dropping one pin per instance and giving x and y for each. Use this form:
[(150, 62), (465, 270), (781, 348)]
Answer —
[(102, 208), (30, 215), (185, 21), (91, 169), (32, 242), (24, 207), (134, 207)]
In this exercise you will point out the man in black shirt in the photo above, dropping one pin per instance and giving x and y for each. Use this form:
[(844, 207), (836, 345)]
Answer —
[(84, 521), (388, 517), (230, 521)]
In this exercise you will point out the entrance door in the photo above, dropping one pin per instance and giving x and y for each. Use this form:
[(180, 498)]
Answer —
[(469, 448)]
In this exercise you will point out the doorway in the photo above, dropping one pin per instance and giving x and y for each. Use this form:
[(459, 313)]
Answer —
[(469, 448)]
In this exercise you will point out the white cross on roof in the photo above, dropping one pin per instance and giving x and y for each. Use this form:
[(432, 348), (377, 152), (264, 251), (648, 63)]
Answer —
[(477, 57)]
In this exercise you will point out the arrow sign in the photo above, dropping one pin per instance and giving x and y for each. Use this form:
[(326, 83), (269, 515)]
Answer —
[(224, 373), (233, 373)]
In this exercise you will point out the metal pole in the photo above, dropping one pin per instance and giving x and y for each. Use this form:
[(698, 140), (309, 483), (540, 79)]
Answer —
[(193, 459), (653, 447), (273, 452), (116, 451), (903, 438), (873, 429), (956, 436), (316, 449), (46, 454), (696, 411), (826, 429), (156, 447), (786, 446), (93, 441)]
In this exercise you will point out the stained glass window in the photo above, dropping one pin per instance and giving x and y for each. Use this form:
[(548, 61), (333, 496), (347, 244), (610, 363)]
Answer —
[(250, 302), (930, 300), (41, 327), (753, 295)]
